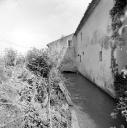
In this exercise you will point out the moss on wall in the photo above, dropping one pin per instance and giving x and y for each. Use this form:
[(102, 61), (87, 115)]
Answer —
[(116, 12)]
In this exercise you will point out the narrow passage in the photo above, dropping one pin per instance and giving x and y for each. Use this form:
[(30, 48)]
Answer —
[(93, 106)]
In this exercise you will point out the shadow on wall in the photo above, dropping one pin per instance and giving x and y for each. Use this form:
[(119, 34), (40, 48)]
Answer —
[(68, 62)]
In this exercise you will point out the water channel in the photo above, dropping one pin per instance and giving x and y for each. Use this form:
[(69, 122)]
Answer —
[(93, 106)]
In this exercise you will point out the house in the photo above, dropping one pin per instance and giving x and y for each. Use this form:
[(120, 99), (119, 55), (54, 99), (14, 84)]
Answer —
[(61, 52), (97, 55), (92, 50)]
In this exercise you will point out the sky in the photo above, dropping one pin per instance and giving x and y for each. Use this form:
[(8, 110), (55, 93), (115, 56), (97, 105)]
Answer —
[(34, 23)]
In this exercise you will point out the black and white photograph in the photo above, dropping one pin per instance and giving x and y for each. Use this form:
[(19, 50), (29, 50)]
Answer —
[(63, 64)]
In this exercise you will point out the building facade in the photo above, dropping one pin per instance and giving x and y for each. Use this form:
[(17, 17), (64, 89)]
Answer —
[(61, 52), (91, 50), (95, 55), (92, 45)]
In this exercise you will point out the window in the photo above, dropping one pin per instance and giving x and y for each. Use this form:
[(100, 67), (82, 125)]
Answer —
[(81, 36), (100, 55), (69, 43)]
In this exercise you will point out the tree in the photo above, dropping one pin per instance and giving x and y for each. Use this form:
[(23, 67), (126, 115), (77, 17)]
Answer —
[(38, 62), (10, 57)]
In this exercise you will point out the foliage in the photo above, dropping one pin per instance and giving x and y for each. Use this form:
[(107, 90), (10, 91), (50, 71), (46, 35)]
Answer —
[(24, 104), (58, 99), (20, 94), (29, 99), (2, 63), (38, 62), (116, 12), (10, 57), (20, 60), (120, 85), (121, 95)]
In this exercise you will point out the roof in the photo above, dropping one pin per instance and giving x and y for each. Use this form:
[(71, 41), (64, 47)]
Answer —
[(59, 39), (88, 12)]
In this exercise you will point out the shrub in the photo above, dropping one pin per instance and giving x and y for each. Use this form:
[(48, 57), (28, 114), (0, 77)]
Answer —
[(10, 57), (20, 60), (116, 12), (38, 62), (120, 85)]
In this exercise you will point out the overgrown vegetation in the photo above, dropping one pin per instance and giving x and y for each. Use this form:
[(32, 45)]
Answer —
[(121, 96), (30, 95), (117, 13), (10, 57), (38, 62)]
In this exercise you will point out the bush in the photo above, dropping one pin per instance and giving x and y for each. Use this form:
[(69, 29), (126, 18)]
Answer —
[(20, 60), (120, 85), (38, 62), (116, 12), (10, 57)]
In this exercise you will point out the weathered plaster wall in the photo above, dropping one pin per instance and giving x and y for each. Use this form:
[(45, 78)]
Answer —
[(68, 61), (121, 57), (121, 48), (62, 54), (58, 48), (93, 47)]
